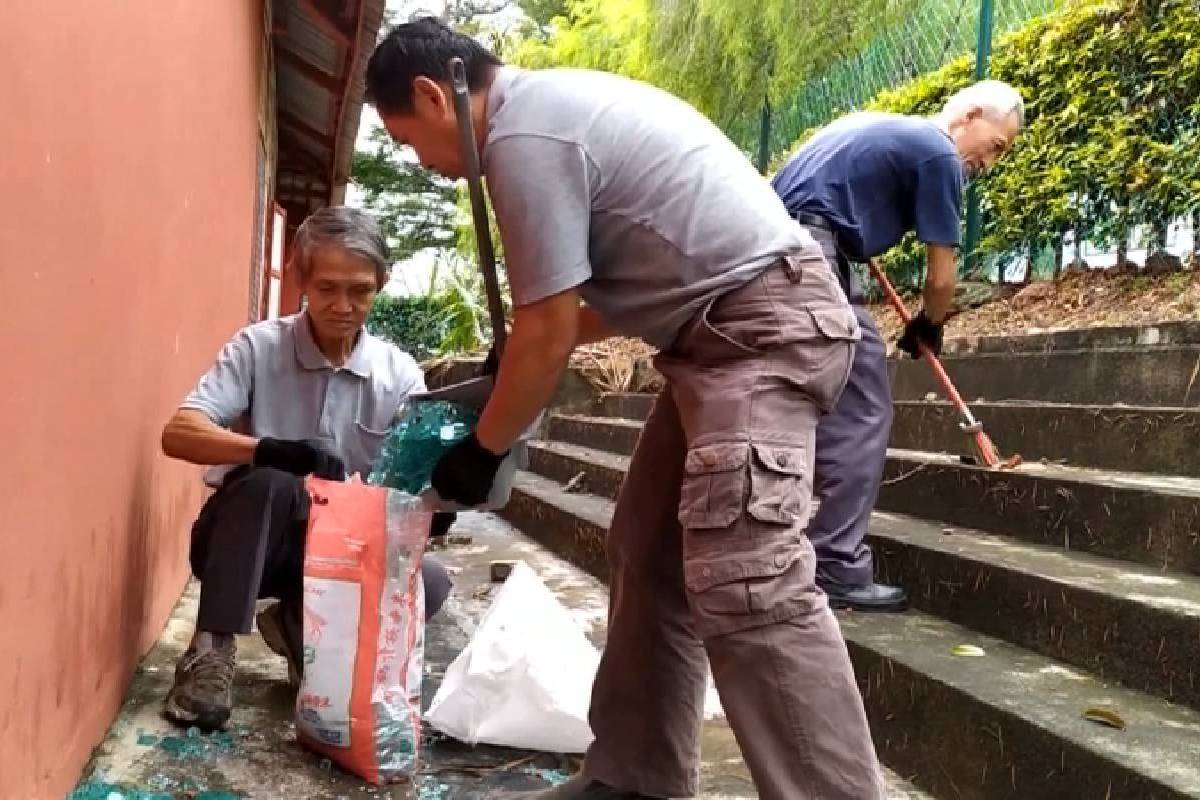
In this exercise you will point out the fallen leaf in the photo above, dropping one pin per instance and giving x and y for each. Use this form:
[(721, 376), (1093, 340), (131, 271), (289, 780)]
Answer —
[(967, 650), (1104, 716)]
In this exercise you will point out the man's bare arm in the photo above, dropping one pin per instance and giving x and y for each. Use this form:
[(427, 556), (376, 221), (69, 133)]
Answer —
[(543, 335), (192, 436), (940, 280), (592, 327)]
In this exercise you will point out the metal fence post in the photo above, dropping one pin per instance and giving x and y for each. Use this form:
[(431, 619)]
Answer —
[(983, 53), (764, 137)]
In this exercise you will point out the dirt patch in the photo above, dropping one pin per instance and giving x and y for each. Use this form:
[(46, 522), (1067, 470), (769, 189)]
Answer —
[(1076, 300)]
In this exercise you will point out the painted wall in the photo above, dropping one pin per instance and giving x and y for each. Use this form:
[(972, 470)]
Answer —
[(127, 185)]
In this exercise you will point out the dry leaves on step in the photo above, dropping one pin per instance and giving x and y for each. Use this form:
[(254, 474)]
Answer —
[(1104, 716)]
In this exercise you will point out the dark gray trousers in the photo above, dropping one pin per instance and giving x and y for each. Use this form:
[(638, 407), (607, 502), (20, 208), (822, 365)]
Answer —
[(851, 450), (248, 543)]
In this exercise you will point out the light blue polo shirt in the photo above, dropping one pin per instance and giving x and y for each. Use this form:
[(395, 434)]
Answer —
[(273, 373)]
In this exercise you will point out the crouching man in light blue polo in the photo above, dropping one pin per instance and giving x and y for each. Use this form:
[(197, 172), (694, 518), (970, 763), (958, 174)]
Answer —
[(317, 393)]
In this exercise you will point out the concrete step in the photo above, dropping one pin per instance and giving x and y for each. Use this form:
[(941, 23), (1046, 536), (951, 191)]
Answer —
[(1127, 622), (1147, 519), (1134, 439), (624, 405), (1163, 334), (1007, 725), (1158, 376), (1129, 438), (1119, 621), (611, 434)]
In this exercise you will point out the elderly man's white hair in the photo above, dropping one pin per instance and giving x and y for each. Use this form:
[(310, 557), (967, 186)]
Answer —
[(997, 99)]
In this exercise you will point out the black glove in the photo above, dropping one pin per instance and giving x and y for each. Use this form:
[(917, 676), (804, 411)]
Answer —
[(921, 330), (301, 458), (466, 472), (442, 520)]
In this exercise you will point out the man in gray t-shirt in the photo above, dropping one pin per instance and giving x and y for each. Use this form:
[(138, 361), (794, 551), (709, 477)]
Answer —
[(624, 211)]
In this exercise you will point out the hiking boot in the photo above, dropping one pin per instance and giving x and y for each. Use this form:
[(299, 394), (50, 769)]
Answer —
[(202, 694), (578, 788), (282, 629)]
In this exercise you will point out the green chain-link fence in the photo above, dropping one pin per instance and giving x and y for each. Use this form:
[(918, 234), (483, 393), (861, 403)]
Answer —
[(932, 34), (1108, 168)]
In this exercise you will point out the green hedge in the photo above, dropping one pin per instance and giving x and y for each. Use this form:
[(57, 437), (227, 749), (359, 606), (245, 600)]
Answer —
[(426, 325), (1112, 91)]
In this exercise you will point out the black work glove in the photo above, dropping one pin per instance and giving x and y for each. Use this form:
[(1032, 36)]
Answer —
[(466, 472), (442, 520), (921, 330), (301, 458)]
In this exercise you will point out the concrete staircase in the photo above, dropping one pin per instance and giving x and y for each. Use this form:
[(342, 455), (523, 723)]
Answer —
[(1077, 575)]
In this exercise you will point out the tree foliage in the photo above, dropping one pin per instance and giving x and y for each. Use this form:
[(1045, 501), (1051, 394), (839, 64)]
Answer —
[(712, 53), (415, 207), (1112, 140)]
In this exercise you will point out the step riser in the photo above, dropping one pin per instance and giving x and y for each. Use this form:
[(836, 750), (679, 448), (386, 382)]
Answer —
[(598, 479), (955, 747), (1143, 647), (1143, 526), (1160, 442), (620, 439), (918, 724), (1138, 525), (1159, 377), (624, 406), (1129, 337), (566, 535), (1153, 651)]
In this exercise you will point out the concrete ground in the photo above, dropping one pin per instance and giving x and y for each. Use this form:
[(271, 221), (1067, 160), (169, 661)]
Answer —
[(144, 757)]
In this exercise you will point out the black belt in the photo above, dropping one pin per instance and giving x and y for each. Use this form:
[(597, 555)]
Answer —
[(842, 265), (815, 221)]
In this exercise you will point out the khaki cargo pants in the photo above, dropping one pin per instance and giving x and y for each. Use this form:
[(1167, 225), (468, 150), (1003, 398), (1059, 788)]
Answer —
[(709, 558)]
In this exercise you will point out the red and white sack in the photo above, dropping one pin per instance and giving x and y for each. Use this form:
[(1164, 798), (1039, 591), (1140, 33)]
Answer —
[(364, 629)]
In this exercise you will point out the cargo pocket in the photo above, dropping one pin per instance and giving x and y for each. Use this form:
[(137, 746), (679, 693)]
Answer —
[(714, 485), (781, 484), (740, 585), (730, 569), (837, 324)]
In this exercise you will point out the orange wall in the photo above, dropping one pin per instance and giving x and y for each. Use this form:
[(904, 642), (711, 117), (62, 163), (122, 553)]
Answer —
[(127, 171)]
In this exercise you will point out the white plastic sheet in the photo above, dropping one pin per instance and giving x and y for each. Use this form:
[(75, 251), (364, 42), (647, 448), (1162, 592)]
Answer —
[(525, 678)]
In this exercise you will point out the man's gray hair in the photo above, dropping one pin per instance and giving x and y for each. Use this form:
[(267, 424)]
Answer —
[(997, 99), (351, 229)]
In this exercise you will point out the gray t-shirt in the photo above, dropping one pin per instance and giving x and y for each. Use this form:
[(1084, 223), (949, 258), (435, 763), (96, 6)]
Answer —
[(627, 193), (273, 376)]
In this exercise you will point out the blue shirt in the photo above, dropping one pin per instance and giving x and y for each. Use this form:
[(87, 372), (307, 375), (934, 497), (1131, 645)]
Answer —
[(875, 177)]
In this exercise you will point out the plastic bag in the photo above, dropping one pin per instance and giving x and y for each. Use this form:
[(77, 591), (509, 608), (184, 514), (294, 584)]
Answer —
[(364, 626), (525, 678)]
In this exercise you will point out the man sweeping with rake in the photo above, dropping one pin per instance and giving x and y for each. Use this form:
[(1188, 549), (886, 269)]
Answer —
[(859, 185)]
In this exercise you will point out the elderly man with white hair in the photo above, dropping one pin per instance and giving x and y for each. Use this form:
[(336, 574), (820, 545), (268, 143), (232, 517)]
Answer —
[(314, 394), (859, 185)]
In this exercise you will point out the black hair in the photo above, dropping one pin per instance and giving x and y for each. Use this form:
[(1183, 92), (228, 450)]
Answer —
[(419, 48)]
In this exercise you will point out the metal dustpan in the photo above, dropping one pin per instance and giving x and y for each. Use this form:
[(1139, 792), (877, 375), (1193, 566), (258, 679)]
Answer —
[(474, 393)]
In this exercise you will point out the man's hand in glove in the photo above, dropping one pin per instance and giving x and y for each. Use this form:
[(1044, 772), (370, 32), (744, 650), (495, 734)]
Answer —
[(921, 330), (442, 522), (299, 458), (466, 472)]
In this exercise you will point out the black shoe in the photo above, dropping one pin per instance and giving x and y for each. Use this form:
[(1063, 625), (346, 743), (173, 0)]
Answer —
[(871, 597)]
